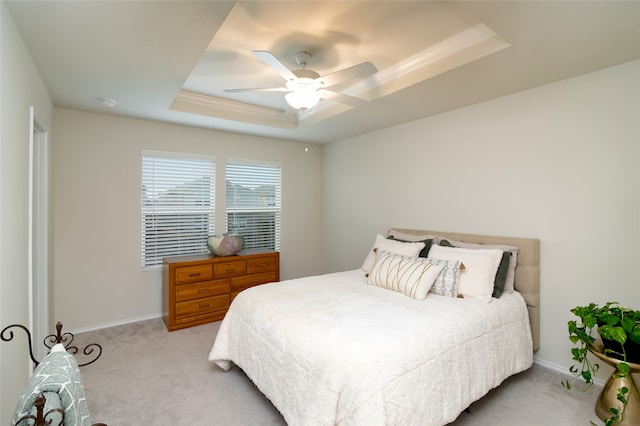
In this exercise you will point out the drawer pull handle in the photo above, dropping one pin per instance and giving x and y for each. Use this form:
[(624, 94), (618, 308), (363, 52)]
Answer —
[(230, 270), (203, 289), (194, 274), (204, 305)]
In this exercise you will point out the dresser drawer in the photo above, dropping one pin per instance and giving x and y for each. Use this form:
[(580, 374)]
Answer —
[(203, 289), (190, 274), (230, 269), (261, 264), (203, 305), (240, 283), (198, 289)]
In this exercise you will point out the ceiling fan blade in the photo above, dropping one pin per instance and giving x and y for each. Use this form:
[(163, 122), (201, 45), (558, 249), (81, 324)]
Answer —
[(275, 63), (258, 89), (357, 71), (342, 98)]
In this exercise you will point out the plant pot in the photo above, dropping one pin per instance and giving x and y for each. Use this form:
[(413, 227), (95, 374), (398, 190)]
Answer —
[(631, 348)]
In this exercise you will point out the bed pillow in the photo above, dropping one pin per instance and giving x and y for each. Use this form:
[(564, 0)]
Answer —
[(501, 274), (513, 258), (481, 266), (448, 280), (392, 246), (399, 235), (412, 277), (427, 244)]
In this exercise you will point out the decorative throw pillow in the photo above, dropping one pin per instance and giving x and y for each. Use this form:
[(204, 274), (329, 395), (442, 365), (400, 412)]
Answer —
[(396, 247), (409, 276), (448, 280), (481, 266), (513, 258), (57, 373)]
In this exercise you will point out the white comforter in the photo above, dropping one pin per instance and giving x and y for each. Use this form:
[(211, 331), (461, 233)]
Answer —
[(329, 350)]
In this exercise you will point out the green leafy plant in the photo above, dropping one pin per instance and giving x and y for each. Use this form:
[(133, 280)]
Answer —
[(616, 326)]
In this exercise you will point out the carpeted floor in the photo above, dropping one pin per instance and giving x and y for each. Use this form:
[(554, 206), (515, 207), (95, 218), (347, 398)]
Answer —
[(147, 375)]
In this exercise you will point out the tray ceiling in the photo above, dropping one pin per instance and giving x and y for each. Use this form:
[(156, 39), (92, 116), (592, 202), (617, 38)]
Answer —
[(171, 60)]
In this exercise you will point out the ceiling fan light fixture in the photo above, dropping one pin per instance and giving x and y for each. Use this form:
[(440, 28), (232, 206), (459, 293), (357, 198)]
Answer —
[(303, 99)]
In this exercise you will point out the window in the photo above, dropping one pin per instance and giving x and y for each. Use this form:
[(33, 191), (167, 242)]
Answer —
[(253, 203), (178, 199)]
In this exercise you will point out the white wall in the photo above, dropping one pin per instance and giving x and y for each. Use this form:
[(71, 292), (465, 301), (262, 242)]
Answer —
[(97, 226), (559, 163), (20, 88)]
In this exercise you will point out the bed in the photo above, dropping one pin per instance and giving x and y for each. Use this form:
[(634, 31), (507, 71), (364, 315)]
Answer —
[(336, 349)]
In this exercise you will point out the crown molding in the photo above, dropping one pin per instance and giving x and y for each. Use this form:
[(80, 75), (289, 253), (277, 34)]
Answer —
[(198, 103)]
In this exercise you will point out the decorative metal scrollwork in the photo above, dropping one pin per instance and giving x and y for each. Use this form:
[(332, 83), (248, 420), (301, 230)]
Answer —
[(92, 349), (9, 337), (41, 418)]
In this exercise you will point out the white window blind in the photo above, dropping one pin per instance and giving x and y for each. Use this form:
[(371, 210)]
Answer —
[(253, 203), (178, 199)]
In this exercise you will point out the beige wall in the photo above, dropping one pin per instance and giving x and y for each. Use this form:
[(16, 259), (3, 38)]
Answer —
[(558, 163), (97, 274), (20, 88)]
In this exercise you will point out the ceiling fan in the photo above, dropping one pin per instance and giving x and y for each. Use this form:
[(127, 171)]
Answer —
[(305, 87)]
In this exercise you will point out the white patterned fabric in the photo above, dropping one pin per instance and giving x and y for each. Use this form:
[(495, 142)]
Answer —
[(448, 280), (331, 350), (57, 374), (409, 276), (480, 267), (392, 246)]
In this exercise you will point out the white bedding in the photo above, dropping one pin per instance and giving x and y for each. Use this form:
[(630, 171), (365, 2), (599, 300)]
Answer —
[(329, 350)]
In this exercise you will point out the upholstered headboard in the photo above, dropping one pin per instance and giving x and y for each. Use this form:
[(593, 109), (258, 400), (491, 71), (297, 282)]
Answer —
[(527, 280)]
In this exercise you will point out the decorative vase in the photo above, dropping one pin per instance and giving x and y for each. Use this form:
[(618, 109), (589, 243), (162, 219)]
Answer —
[(631, 348), (225, 245)]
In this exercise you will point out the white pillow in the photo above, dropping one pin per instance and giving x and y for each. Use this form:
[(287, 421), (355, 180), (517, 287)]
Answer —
[(392, 246), (412, 277), (480, 270), (513, 259)]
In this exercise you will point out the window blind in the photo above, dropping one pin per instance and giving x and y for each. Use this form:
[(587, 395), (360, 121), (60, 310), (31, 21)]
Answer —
[(178, 199), (253, 203)]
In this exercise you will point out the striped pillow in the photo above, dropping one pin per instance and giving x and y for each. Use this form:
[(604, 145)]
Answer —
[(409, 276)]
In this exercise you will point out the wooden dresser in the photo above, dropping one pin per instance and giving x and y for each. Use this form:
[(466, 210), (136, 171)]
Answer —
[(198, 289)]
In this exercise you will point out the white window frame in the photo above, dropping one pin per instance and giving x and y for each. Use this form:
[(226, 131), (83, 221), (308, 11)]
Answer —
[(162, 179)]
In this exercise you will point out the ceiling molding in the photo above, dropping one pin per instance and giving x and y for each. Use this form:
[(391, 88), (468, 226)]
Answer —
[(198, 103), (464, 47)]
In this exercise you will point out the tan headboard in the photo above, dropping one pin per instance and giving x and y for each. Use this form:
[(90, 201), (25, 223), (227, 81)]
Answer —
[(527, 281)]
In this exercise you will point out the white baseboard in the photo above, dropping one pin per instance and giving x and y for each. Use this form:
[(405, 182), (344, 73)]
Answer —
[(116, 323), (562, 369)]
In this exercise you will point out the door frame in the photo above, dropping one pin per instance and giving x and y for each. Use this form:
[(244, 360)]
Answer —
[(39, 208)]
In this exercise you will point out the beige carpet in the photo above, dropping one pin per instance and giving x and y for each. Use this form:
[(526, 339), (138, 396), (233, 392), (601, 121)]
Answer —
[(147, 375)]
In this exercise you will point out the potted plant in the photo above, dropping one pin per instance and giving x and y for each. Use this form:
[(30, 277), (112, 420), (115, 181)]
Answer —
[(619, 330)]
